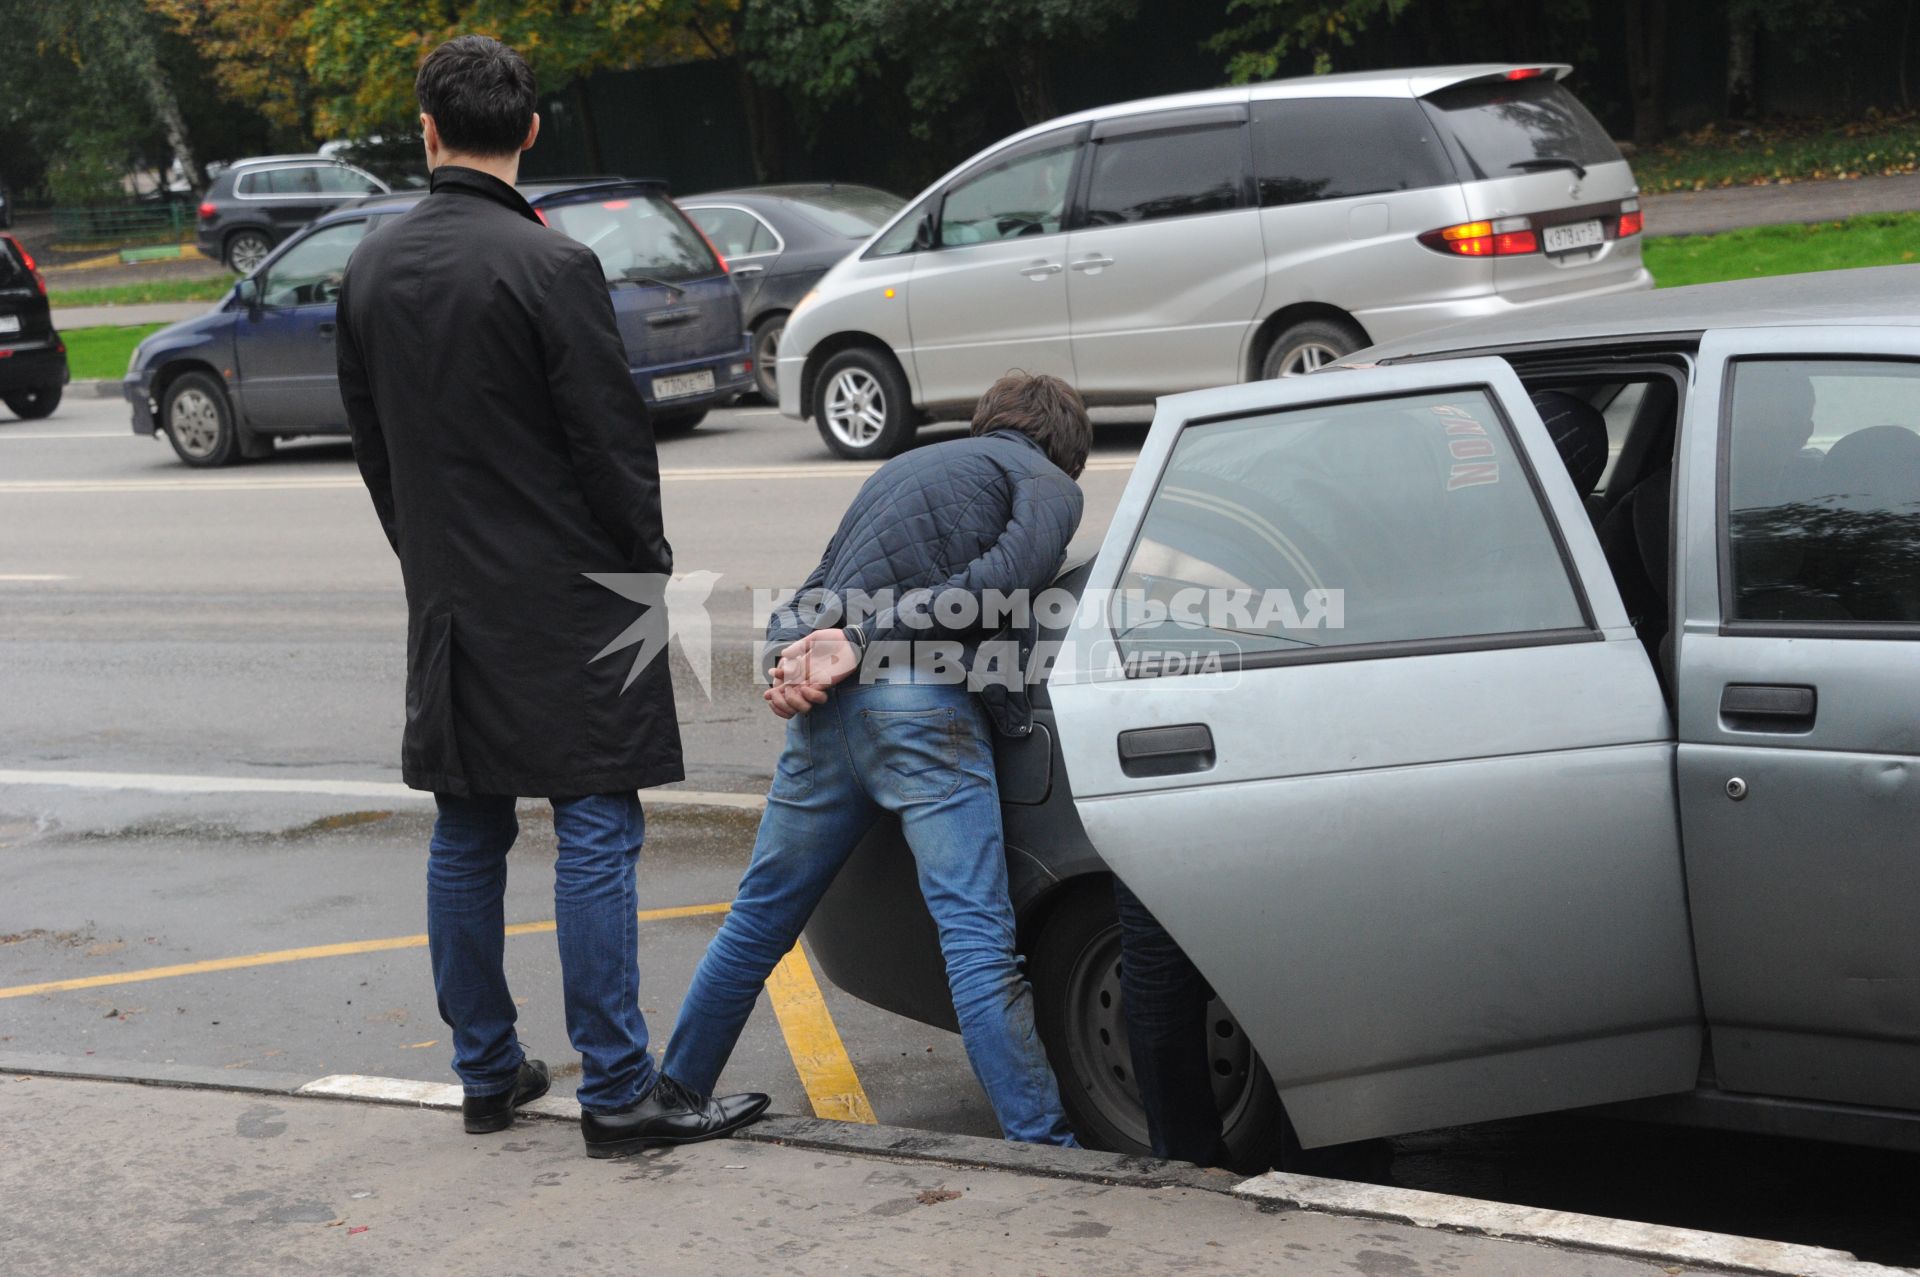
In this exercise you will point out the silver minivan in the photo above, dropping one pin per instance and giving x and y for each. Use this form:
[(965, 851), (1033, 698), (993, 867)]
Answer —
[(1233, 235)]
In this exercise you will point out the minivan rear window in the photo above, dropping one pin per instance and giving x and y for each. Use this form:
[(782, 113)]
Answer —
[(13, 271), (1497, 126), (638, 238)]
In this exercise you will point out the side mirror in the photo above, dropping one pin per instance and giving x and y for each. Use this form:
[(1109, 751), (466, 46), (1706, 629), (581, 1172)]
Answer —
[(248, 291)]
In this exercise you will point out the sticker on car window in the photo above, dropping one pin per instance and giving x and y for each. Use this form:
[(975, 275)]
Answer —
[(1471, 445)]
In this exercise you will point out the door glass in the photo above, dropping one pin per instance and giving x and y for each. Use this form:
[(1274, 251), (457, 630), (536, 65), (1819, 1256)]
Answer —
[(1025, 195), (1143, 176), (735, 232), (1332, 148), (311, 271), (344, 181), (1823, 491), (251, 184), (1385, 521), (294, 181)]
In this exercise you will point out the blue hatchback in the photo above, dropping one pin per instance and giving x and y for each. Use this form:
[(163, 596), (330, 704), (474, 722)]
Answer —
[(260, 366)]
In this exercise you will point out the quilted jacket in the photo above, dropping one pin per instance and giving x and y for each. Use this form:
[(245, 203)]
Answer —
[(985, 513)]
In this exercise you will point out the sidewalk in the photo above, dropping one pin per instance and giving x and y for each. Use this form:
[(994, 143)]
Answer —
[(1710, 212), (69, 317), (110, 1177)]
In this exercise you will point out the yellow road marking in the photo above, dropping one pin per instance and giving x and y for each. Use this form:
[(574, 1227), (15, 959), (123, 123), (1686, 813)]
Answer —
[(276, 956), (818, 1054)]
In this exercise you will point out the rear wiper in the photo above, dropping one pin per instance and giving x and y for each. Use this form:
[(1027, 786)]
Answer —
[(634, 277), (1552, 161)]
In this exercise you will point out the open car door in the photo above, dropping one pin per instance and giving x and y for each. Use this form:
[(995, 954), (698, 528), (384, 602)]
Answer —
[(1352, 704)]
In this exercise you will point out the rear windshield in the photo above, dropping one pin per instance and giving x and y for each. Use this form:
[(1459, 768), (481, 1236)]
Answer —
[(13, 271), (855, 214), (1497, 126), (638, 238)]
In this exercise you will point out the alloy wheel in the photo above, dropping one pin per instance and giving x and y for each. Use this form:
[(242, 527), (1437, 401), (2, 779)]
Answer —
[(1307, 357), (856, 407), (246, 253), (194, 423)]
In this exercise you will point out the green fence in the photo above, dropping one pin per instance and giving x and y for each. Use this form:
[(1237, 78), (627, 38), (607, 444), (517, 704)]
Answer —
[(122, 223)]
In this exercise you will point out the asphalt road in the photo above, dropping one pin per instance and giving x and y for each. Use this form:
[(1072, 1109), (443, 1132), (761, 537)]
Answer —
[(247, 627)]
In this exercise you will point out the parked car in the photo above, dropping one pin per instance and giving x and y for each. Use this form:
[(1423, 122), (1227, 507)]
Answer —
[(33, 359), (780, 240), (261, 366), (255, 204), (1165, 245), (1604, 790)]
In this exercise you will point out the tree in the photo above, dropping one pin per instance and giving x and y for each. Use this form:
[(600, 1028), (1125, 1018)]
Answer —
[(1279, 29), (256, 51)]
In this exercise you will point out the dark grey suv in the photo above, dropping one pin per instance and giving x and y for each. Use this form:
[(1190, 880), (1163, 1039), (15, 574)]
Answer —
[(255, 204)]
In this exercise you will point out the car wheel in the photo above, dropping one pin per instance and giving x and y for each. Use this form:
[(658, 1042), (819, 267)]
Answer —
[(1075, 968), (1307, 346), (766, 349), (673, 423), (31, 405), (246, 250), (861, 405), (198, 420)]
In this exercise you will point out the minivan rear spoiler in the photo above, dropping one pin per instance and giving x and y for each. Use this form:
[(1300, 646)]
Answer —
[(1425, 83)]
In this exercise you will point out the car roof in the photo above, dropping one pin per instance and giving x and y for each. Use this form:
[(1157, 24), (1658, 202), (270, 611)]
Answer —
[(1876, 295), (783, 191), (281, 159), (534, 192)]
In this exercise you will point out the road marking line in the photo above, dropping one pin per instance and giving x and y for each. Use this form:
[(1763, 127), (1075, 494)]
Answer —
[(32, 576), (90, 434), (819, 1056), (389, 790), (278, 956)]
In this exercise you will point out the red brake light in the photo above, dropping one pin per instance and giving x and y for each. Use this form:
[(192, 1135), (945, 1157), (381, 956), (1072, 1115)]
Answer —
[(1515, 243), (615, 205), (1511, 237), (207, 210), (718, 256), (1526, 73), (541, 213), (1631, 223)]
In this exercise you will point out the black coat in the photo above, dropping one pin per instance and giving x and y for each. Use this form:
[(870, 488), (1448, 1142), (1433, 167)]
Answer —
[(508, 453)]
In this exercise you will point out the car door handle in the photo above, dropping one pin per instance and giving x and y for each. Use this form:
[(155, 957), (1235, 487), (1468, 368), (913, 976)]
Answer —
[(1093, 263), (1040, 270), (738, 271), (327, 329), (1767, 707), (1166, 751)]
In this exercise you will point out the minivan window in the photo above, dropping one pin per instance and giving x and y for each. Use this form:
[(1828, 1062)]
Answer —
[(907, 235), (637, 238), (1141, 177), (1823, 491), (310, 272), (1020, 196), (1383, 521), (1331, 148), (1496, 126)]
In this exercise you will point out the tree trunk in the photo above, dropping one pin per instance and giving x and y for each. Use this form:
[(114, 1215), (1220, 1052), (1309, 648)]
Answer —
[(1743, 38), (143, 55), (596, 161), (1646, 22), (766, 121), (1032, 88)]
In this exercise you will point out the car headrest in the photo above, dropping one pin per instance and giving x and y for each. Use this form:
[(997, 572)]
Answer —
[(1874, 468), (1579, 431)]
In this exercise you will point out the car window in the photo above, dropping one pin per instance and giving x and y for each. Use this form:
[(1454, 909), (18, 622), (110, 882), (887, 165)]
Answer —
[(1020, 196), (734, 231), (336, 180), (13, 267), (854, 213), (250, 184), (293, 181), (637, 238), (1140, 177), (1496, 126), (311, 271), (1384, 521), (908, 235), (1823, 491), (1332, 148)]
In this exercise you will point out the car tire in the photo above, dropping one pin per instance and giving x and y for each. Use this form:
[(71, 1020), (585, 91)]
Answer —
[(1075, 969), (766, 349), (678, 423), (245, 250), (33, 404), (861, 405), (198, 420), (1308, 345)]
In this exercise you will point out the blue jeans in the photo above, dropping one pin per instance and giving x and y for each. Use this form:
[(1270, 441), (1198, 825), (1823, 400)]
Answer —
[(921, 751), (595, 903)]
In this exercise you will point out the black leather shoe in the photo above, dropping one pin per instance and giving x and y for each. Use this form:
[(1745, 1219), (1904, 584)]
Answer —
[(670, 1114), (484, 1114)]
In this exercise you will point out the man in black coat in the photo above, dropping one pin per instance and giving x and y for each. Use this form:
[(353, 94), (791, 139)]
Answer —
[(508, 455)]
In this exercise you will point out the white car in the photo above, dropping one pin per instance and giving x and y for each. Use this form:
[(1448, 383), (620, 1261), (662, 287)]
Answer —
[(1232, 235)]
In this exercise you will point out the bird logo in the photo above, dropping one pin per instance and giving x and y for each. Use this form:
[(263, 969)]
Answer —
[(671, 607)]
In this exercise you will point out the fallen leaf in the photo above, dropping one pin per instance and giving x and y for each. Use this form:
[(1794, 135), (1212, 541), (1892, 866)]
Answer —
[(934, 1196), (415, 1046)]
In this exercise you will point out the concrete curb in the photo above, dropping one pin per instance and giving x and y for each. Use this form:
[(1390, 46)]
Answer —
[(1276, 1190)]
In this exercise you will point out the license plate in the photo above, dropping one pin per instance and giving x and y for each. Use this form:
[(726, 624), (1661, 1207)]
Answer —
[(9, 323), (1564, 239), (683, 384)]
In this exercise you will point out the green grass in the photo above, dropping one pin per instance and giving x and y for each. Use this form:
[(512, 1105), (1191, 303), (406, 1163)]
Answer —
[(96, 354), (1803, 152), (159, 290), (1877, 239)]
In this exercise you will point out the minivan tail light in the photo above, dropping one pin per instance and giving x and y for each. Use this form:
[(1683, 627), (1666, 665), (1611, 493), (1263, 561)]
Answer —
[(1632, 220), (1526, 73), (1508, 237)]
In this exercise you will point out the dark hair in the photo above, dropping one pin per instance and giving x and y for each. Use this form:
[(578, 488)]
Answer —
[(480, 94), (1044, 408)]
